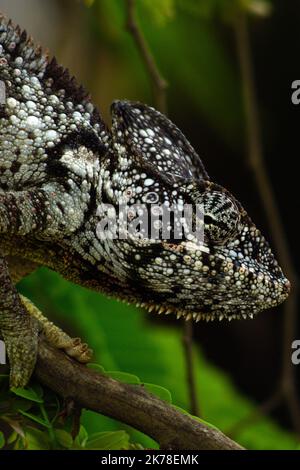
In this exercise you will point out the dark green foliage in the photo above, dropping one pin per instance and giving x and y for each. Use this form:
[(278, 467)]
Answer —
[(36, 421)]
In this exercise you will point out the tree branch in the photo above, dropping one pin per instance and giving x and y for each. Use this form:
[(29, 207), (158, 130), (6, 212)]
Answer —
[(130, 404)]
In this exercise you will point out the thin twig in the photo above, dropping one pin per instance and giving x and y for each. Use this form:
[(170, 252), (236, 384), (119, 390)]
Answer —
[(261, 410), (76, 421), (287, 386), (159, 86), (188, 348), (130, 404)]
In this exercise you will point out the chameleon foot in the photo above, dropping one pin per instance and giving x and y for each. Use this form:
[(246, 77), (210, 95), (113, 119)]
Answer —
[(73, 347), (21, 349), (78, 350)]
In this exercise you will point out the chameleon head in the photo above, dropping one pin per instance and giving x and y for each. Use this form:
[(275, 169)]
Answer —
[(216, 266)]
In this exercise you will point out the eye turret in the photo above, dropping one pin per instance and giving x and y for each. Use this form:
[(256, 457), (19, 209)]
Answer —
[(221, 217)]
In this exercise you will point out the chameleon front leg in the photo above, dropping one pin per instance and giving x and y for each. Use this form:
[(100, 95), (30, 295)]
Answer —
[(18, 329), (20, 323), (41, 212)]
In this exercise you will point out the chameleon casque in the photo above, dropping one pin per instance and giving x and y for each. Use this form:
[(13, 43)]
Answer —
[(59, 162)]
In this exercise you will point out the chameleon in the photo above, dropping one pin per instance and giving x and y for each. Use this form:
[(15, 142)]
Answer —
[(61, 164)]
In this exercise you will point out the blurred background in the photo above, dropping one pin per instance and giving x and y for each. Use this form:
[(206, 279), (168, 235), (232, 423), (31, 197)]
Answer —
[(196, 44)]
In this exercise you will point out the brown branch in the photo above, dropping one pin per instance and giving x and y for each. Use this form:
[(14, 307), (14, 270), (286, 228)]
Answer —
[(159, 84), (287, 386), (130, 404)]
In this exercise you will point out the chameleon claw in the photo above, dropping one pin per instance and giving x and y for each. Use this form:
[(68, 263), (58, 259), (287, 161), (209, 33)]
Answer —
[(79, 351)]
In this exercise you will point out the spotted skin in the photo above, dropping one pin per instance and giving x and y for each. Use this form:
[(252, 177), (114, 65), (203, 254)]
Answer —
[(60, 164)]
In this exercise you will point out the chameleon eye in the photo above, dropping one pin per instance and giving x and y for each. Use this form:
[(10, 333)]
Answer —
[(221, 217)]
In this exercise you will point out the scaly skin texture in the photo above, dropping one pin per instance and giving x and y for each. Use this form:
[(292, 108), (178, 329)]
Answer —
[(59, 165)]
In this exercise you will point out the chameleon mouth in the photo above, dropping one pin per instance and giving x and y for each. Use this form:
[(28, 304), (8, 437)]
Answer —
[(249, 314), (196, 316), (233, 308)]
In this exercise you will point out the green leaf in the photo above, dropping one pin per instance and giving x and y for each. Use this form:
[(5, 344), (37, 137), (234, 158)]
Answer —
[(123, 377), (206, 423), (38, 390), (36, 439), (204, 9), (202, 421), (64, 438), (35, 418), (161, 11), (96, 367), (82, 437), (117, 440), (136, 446), (12, 437), (28, 393), (2, 440), (159, 391), (20, 404)]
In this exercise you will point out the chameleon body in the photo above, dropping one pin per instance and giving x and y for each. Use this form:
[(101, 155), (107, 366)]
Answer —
[(59, 163)]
